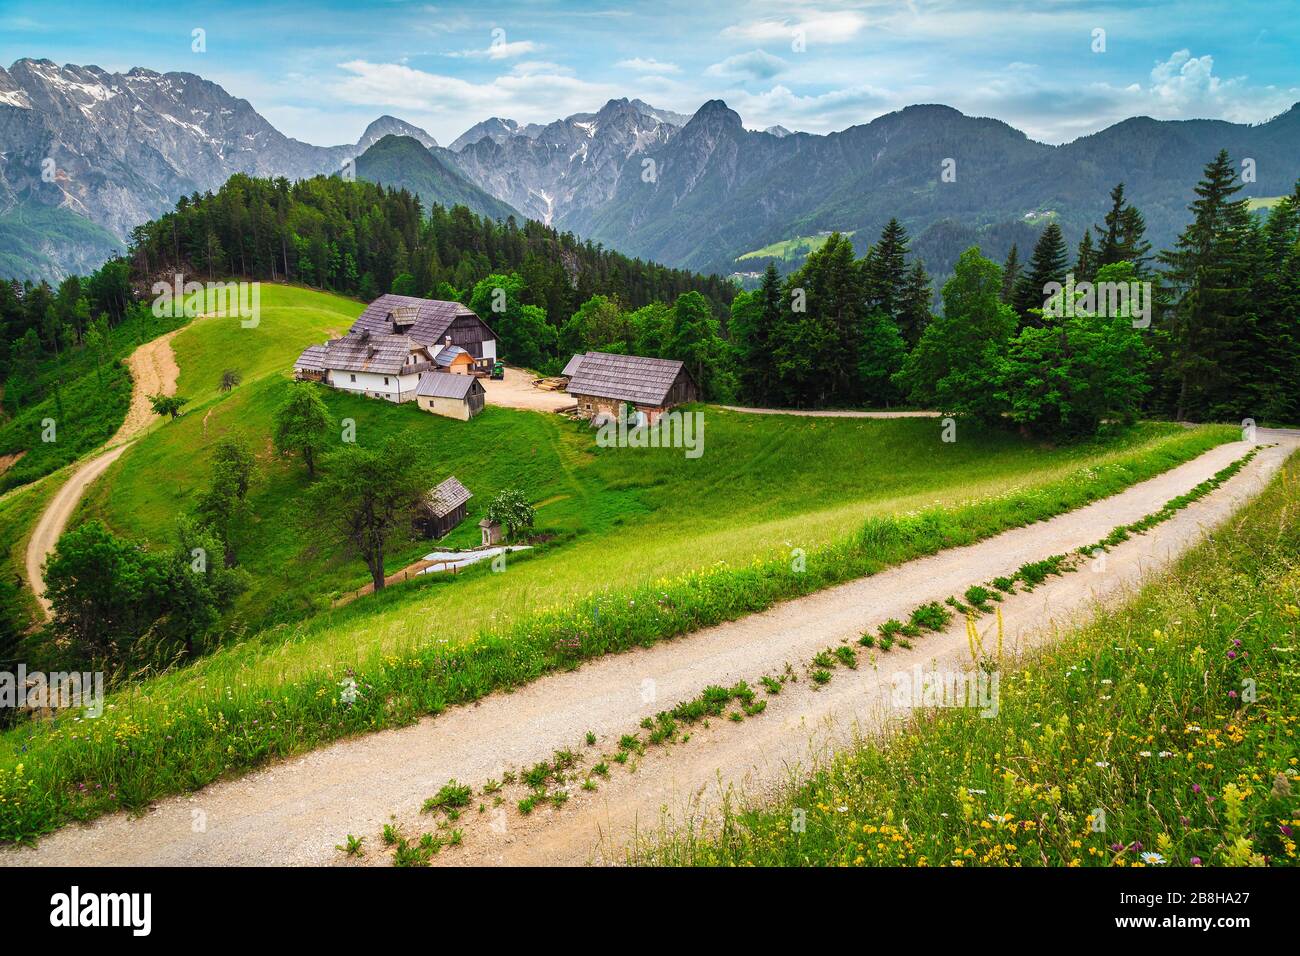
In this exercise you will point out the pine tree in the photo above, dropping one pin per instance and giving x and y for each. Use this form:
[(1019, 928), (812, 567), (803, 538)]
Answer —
[(1010, 275), (1085, 263), (1207, 281), (1049, 263), (1120, 238), (917, 309)]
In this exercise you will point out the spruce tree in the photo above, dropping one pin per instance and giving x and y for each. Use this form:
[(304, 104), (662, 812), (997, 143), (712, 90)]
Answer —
[(1207, 280), (1121, 236), (1085, 263), (1010, 275), (1049, 263)]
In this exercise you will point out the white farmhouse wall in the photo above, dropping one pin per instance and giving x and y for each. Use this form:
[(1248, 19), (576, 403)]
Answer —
[(398, 388)]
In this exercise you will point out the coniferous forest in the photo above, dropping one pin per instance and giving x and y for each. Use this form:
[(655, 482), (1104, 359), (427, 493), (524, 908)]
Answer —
[(1221, 340)]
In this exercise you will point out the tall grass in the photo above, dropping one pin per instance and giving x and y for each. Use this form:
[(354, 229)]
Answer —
[(1164, 733), (169, 737)]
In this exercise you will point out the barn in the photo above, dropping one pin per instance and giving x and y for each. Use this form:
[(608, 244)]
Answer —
[(602, 383), (434, 324), (454, 396), (442, 508)]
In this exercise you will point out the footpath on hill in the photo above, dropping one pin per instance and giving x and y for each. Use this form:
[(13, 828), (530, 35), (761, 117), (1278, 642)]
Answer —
[(300, 810), (153, 371)]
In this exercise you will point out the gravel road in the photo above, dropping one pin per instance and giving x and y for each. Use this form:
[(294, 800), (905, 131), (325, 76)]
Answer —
[(297, 811)]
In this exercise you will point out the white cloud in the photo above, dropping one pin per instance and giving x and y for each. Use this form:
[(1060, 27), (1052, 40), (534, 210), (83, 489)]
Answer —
[(648, 65), (813, 27), (757, 64), (446, 105), (822, 113), (500, 50)]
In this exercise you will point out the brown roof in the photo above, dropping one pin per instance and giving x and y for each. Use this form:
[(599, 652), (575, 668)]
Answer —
[(447, 497), (446, 385), (383, 354), (424, 320), (630, 378), (572, 367), (312, 359)]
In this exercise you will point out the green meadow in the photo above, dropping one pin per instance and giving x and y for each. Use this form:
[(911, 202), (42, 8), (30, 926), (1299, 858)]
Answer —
[(1161, 734), (635, 546)]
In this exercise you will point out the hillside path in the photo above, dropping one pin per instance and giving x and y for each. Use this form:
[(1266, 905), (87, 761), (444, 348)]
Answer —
[(827, 412), (297, 811), (153, 371)]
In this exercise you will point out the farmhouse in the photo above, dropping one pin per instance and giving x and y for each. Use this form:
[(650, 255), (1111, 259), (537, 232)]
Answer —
[(603, 382), (385, 366), (443, 508), (455, 396), (434, 324)]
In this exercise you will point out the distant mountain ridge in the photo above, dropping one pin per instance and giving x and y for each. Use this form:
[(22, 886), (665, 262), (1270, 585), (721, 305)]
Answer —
[(691, 191), (431, 174)]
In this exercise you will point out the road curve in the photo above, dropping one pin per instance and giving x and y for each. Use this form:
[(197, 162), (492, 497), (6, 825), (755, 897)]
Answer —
[(297, 811)]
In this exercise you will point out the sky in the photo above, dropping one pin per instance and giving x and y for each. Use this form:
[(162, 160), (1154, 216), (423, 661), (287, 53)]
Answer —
[(321, 70)]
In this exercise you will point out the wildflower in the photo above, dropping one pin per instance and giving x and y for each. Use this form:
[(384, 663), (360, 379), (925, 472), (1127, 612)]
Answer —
[(1103, 764), (1195, 861)]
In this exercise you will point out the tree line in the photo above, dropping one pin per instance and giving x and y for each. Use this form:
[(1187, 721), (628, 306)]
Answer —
[(1212, 331)]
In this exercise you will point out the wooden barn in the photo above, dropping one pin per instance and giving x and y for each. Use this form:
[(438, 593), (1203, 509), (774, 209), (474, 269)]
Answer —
[(455, 396), (601, 383), (442, 509)]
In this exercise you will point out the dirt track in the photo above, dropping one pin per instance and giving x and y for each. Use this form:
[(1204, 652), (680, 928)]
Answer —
[(153, 370), (827, 413), (516, 390), (297, 811)]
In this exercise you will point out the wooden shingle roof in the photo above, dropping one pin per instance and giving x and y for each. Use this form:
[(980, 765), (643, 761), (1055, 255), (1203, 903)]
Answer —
[(312, 359), (446, 385), (572, 367), (447, 497), (424, 320), (382, 354), (629, 378)]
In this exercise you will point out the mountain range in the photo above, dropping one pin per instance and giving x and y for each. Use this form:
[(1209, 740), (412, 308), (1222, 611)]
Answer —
[(86, 155)]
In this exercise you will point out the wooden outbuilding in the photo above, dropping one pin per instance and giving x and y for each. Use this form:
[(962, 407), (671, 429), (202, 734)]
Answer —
[(602, 383), (443, 508), (454, 396), (491, 532)]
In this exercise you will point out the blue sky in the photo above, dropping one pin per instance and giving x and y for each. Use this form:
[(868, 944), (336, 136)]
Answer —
[(320, 70)]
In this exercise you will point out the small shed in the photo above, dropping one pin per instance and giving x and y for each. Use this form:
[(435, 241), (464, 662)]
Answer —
[(455, 396), (454, 359), (603, 383), (442, 508), (491, 532)]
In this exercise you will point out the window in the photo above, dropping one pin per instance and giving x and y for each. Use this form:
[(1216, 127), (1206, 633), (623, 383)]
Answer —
[(352, 377), (385, 379)]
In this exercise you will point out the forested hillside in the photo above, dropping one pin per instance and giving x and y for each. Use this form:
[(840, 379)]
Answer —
[(362, 239)]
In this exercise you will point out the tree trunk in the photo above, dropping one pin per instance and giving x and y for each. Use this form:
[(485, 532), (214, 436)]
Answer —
[(310, 459), (377, 568)]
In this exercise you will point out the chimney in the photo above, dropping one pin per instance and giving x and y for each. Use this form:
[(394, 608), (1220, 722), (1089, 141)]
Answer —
[(449, 341)]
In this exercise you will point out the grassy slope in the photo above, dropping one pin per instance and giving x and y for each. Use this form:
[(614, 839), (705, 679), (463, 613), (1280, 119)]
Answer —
[(763, 481), (1144, 714), (632, 525), (797, 247), (93, 405)]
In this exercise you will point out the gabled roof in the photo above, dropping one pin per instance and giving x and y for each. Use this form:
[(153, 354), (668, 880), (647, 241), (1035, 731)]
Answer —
[(572, 367), (447, 497), (382, 354), (631, 378), (429, 319), (445, 385), (448, 355), (312, 359)]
